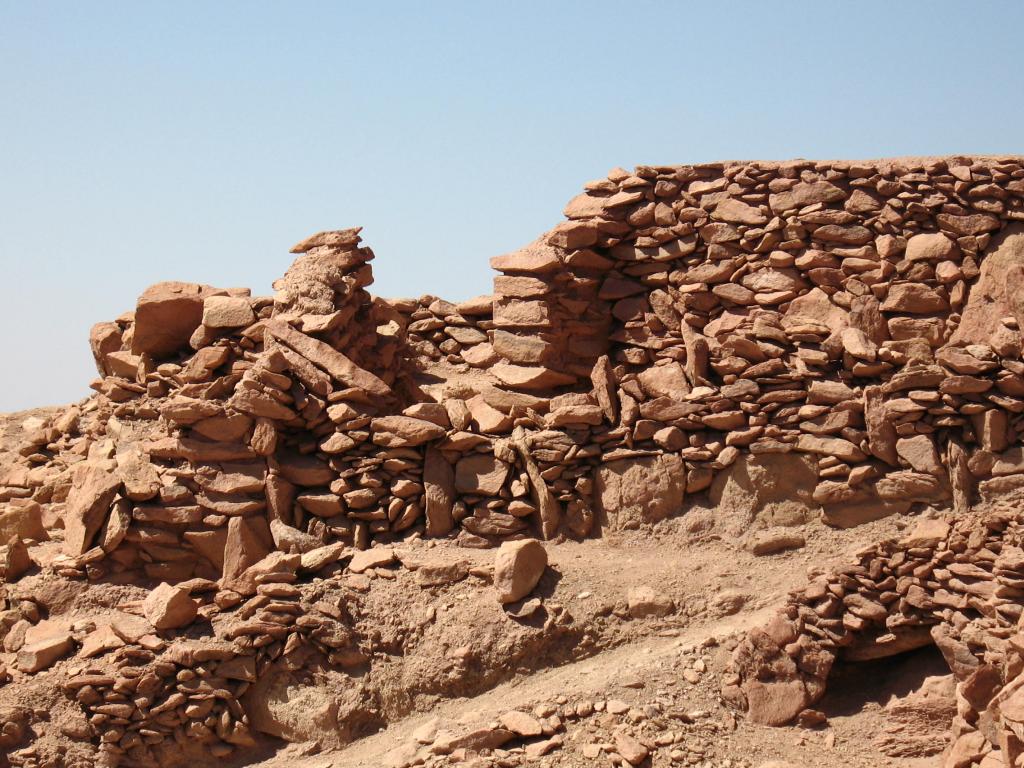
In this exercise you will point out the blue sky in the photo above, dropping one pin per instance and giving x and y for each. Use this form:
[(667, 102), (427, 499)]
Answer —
[(197, 141)]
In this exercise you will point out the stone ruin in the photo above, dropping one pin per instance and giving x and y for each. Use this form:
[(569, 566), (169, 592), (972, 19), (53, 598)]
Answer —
[(842, 336)]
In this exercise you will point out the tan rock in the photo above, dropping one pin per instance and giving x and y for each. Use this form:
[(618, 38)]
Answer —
[(221, 312), (44, 653), (340, 367), (933, 246), (480, 473), (830, 446), (774, 703), (22, 518), (168, 607), (536, 258), (665, 381), (247, 543), (919, 452), (166, 316), (914, 298), (881, 432), (488, 420), (404, 431), (737, 212), (518, 567), (439, 491), (92, 492), (644, 601), (630, 749), (998, 292), (805, 193), (645, 489), (776, 489), (772, 540), (521, 724), (14, 560), (530, 377), (375, 557), (140, 478)]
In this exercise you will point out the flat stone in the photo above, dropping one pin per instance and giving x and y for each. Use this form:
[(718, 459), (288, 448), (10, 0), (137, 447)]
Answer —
[(480, 473), (630, 749), (404, 431), (439, 492), (530, 377), (375, 557), (44, 653), (644, 601), (919, 452), (772, 540), (914, 298), (931, 246), (643, 489), (340, 367), (521, 724)]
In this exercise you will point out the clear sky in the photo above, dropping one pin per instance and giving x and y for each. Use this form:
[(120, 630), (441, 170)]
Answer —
[(145, 141)]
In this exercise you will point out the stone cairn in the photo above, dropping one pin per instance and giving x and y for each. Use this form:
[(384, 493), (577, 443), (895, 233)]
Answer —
[(681, 322)]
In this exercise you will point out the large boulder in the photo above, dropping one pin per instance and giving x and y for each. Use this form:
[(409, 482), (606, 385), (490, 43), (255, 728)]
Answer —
[(166, 316), (766, 490), (998, 292), (518, 567), (640, 490)]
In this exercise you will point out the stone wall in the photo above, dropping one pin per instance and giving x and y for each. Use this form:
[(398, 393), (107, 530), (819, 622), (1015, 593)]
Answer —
[(681, 320), (797, 339), (955, 583)]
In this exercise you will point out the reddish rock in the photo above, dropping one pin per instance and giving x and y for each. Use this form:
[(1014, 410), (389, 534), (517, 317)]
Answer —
[(221, 312), (22, 518), (530, 377), (934, 247), (480, 473), (439, 490), (92, 492), (166, 316), (998, 292), (44, 653), (647, 489), (914, 298), (518, 567), (404, 431), (168, 607)]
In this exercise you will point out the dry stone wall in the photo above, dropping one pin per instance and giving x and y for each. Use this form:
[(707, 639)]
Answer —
[(681, 318), (955, 583), (852, 330)]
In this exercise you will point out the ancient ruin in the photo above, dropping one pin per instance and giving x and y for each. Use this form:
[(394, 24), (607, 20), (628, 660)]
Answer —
[(788, 345)]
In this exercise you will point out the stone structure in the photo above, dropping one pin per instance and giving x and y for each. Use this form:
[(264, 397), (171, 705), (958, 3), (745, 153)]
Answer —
[(955, 583), (859, 323)]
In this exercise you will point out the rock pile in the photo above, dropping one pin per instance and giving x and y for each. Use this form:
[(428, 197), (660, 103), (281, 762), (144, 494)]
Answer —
[(852, 330), (955, 583)]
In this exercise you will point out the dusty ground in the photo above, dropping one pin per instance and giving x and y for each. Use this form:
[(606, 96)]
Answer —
[(643, 661), (659, 676)]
